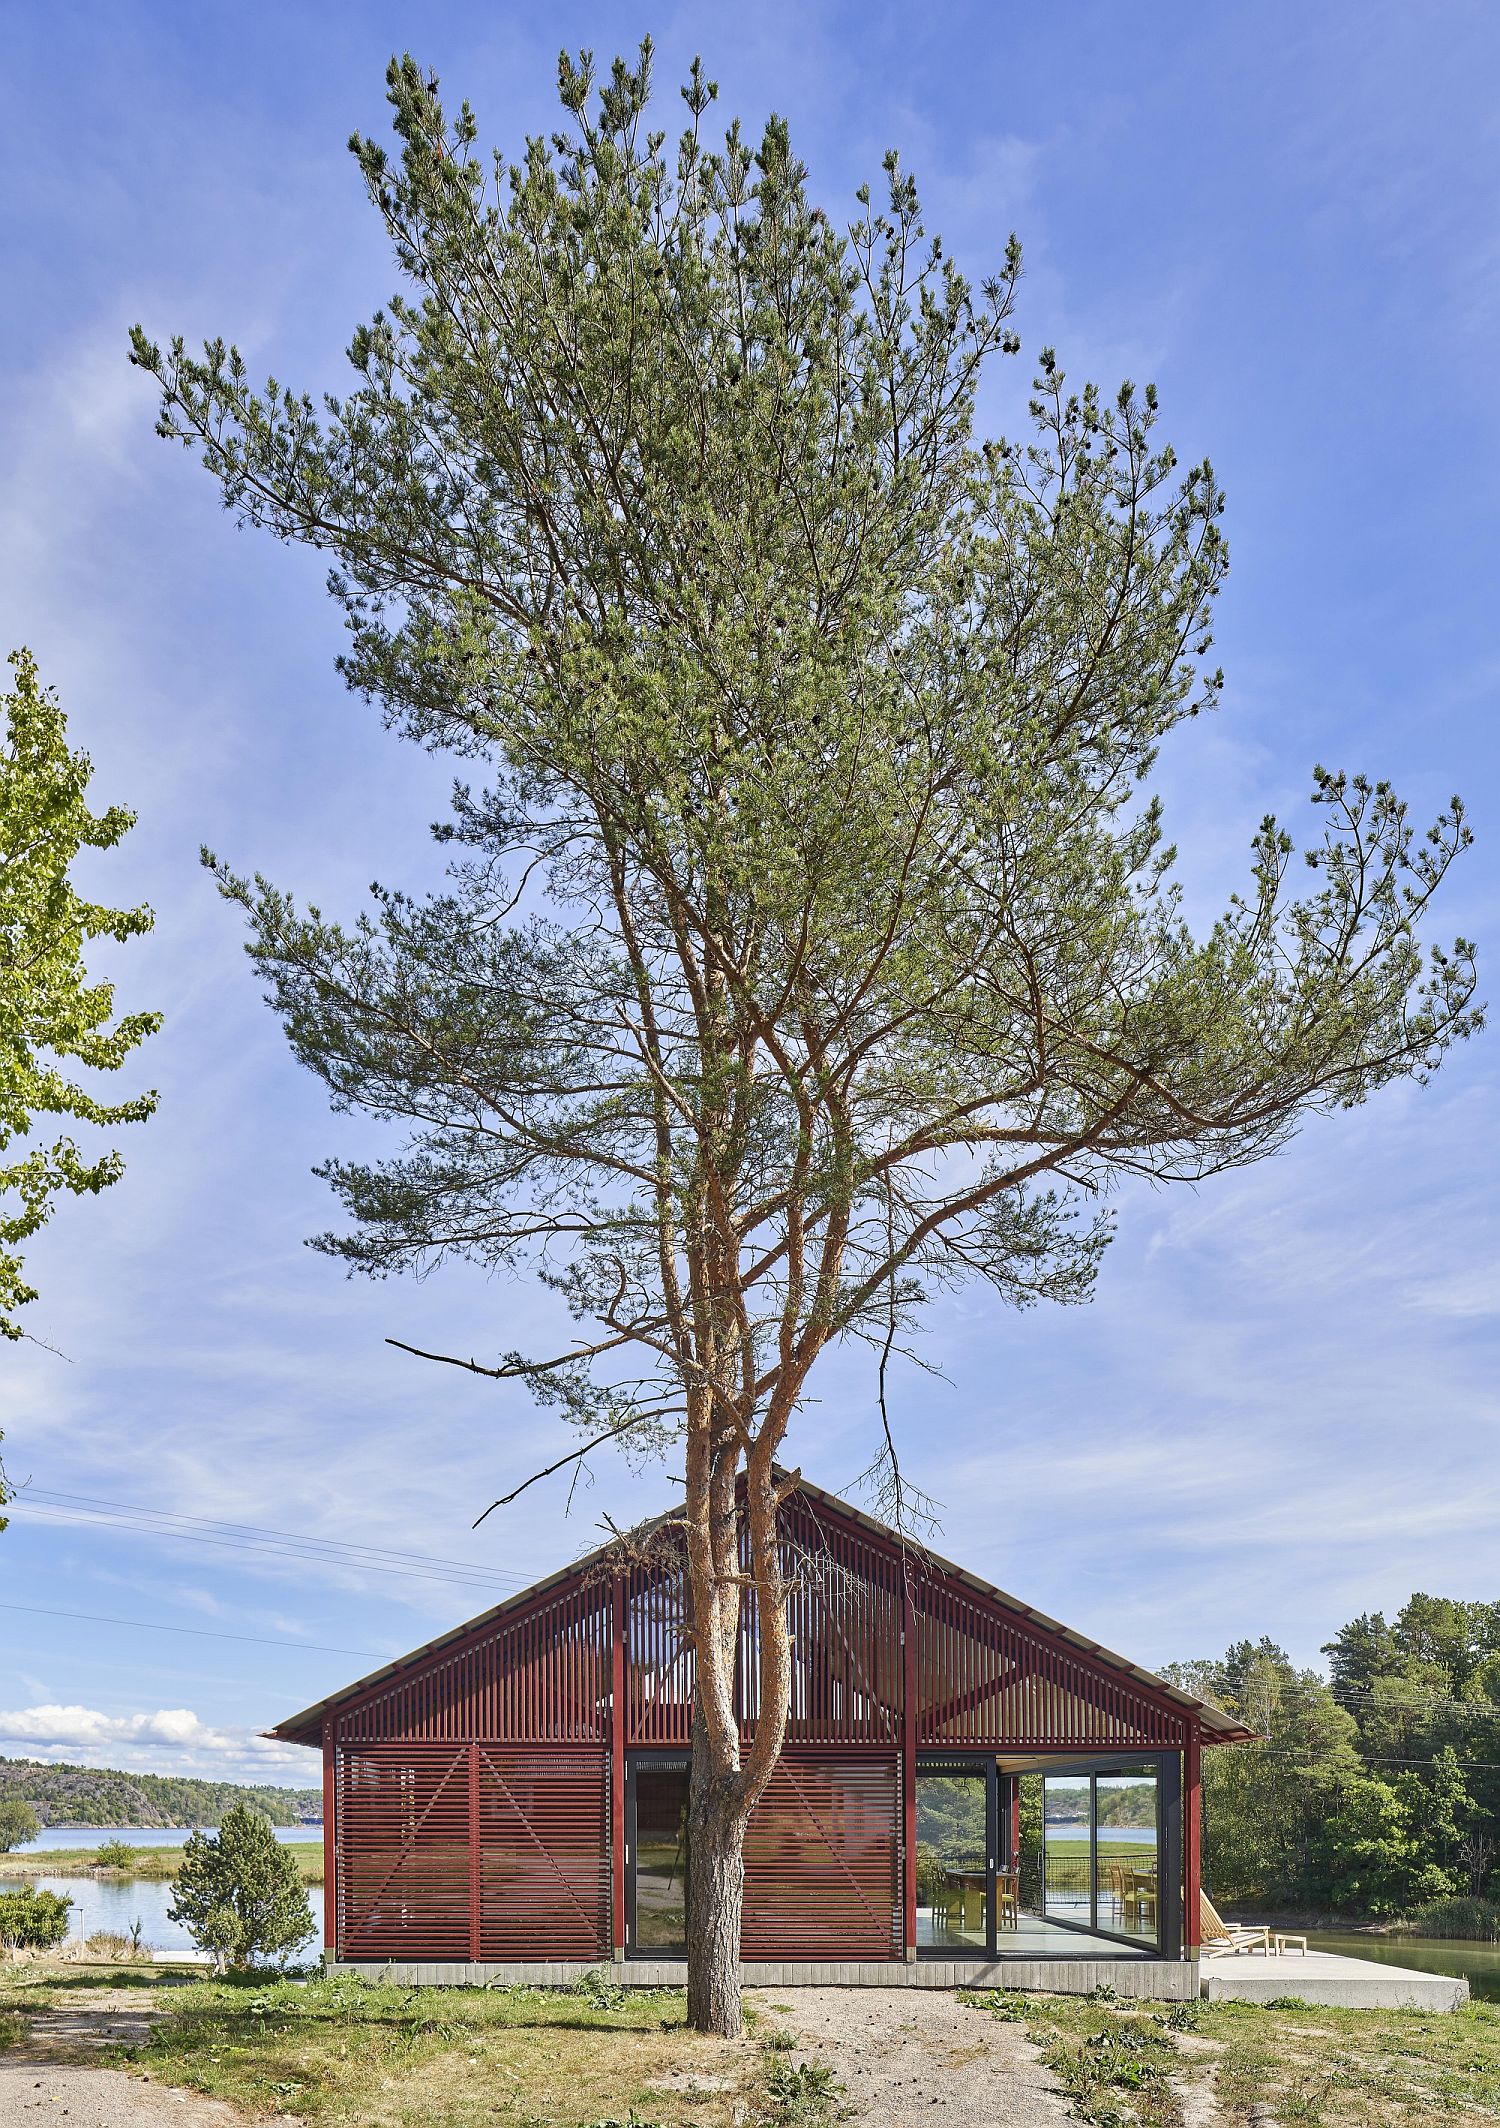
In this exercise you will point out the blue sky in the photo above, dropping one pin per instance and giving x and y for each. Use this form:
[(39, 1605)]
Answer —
[(1282, 1407)]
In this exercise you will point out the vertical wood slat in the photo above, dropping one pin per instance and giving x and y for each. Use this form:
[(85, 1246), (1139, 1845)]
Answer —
[(475, 1854), (330, 1845), (1192, 1841), (909, 1696), (619, 1722)]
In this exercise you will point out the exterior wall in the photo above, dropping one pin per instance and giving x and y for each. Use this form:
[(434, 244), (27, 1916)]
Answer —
[(478, 1793)]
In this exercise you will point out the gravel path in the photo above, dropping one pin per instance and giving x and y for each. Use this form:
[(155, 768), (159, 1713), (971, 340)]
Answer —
[(910, 2056), (44, 2078)]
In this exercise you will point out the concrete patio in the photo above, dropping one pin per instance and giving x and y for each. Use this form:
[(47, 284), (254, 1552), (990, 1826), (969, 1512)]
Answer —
[(1324, 1977)]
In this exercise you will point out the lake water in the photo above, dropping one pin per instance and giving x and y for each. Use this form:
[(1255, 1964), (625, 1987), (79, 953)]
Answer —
[(116, 1902), (52, 1837), (1478, 1963)]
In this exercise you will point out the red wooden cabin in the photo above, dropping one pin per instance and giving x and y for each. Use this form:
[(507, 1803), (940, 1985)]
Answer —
[(509, 1801)]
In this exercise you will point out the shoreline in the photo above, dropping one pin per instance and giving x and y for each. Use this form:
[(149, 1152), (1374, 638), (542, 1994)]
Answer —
[(154, 1864)]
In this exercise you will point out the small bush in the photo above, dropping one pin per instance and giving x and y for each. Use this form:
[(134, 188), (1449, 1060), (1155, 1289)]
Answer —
[(595, 1987), (114, 1854), (32, 1920), (803, 2092), (119, 1949)]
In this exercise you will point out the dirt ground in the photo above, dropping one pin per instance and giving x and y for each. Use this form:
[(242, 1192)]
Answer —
[(916, 2055), (44, 2078)]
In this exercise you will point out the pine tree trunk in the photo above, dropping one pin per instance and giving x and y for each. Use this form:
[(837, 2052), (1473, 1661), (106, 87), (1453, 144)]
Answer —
[(716, 1888)]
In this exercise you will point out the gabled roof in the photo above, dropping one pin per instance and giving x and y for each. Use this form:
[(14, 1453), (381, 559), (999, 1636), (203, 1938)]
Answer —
[(1215, 1725)]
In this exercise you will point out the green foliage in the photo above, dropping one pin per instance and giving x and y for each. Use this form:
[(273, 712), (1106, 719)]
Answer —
[(32, 1920), (1374, 1792), (1473, 1920), (114, 1854), (52, 1015), (801, 2092), (18, 1823), (238, 1893), (810, 943), (102, 1795), (595, 1987)]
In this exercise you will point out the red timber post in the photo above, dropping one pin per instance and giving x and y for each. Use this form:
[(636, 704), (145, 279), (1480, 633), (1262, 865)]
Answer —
[(1192, 1845), (330, 1846), (475, 1857), (908, 1764), (619, 1715)]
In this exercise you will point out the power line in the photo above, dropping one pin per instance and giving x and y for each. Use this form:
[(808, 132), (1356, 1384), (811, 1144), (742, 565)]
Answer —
[(253, 1529), (147, 1625), (270, 1544)]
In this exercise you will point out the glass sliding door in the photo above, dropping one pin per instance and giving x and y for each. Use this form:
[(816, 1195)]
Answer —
[(657, 1856), (1126, 1862), (1067, 1848), (956, 1833)]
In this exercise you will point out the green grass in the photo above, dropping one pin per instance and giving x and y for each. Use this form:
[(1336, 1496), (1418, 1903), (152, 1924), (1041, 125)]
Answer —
[(346, 2054), (1308, 2066), (154, 1862)]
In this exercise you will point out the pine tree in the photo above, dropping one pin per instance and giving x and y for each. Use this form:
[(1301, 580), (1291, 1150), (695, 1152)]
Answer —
[(238, 1893), (811, 942)]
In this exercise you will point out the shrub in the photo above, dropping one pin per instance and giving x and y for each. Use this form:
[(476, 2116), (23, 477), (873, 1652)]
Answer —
[(1474, 1920), (119, 1949), (32, 1920), (18, 1824), (238, 1893), (114, 1854)]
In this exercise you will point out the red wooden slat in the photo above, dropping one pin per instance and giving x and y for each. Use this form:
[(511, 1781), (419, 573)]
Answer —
[(545, 1861), (822, 1861), (477, 1851)]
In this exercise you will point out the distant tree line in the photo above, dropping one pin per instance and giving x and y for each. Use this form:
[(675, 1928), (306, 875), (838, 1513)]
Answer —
[(101, 1795), (1375, 1789)]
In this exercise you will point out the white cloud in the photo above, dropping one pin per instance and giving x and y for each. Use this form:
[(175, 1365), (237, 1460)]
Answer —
[(194, 1746)]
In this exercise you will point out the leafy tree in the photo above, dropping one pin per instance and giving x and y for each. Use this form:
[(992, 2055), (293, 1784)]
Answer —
[(114, 1854), (1265, 1804), (18, 1824), (51, 1015), (33, 1921), (809, 941), (238, 1893)]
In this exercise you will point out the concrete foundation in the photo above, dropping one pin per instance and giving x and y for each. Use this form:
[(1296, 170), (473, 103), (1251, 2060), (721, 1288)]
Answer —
[(1149, 1979), (1318, 1977)]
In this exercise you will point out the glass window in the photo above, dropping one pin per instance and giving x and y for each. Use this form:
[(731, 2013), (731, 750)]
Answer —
[(660, 1860), (1126, 1857), (1067, 1838), (953, 1876)]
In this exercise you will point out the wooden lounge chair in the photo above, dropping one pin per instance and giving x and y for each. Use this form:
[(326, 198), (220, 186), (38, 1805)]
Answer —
[(1222, 1939)]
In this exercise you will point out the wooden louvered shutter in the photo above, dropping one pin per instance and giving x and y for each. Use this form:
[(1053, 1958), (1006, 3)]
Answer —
[(403, 1851), (822, 1862), (543, 1853)]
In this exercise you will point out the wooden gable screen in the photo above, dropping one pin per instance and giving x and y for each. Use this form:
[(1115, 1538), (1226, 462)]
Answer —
[(477, 1791)]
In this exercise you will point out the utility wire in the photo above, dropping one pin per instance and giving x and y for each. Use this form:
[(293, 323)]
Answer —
[(148, 1625), (311, 1552), (252, 1529)]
